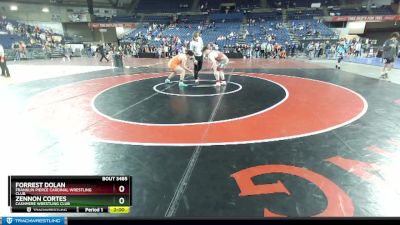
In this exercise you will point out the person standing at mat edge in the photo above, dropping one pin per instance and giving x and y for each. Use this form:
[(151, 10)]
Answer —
[(3, 63), (390, 50), (178, 65), (102, 53), (341, 51), (196, 45)]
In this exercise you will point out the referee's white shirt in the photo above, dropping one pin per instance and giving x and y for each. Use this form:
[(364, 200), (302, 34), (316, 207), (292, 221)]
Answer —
[(1, 51), (197, 46)]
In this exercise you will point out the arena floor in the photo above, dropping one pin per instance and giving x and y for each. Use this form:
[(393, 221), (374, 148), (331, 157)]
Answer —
[(283, 138)]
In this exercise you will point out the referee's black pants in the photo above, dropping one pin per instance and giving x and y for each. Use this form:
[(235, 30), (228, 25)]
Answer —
[(198, 67), (4, 69), (103, 56)]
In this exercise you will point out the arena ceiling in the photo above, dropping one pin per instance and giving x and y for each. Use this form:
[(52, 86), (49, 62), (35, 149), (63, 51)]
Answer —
[(82, 3)]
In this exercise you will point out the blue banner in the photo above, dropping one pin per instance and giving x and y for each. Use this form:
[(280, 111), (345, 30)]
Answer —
[(32, 220)]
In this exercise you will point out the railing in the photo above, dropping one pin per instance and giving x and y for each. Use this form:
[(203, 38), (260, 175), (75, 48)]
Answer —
[(39, 53), (320, 37)]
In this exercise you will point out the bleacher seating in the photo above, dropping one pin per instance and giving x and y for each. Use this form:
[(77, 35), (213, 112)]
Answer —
[(102, 19), (221, 29), (124, 19), (193, 18), (304, 14), (156, 19), (384, 10), (227, 23), (117, 19), (21, 32), (307, 3), (275, 15), (150, 6), (349, 11), (259, 31), (228, 17), (291, 3), (184, 32), (309, 26), (249, 4), (8, 39)]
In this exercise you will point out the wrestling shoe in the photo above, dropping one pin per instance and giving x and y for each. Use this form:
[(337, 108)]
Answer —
[(181, 84)]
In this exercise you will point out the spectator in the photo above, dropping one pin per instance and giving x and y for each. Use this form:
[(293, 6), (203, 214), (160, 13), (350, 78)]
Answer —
[(310, 50), (390, 53), (358, 49), (327, 49)]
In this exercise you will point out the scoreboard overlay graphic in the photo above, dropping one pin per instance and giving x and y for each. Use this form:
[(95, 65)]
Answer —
[(70, 194)]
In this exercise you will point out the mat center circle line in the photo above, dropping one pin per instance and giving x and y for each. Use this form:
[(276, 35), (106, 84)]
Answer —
[(155, 88)]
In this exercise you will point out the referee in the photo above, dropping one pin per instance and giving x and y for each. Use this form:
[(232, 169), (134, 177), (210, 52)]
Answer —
[(196, 45), (3, 63)]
